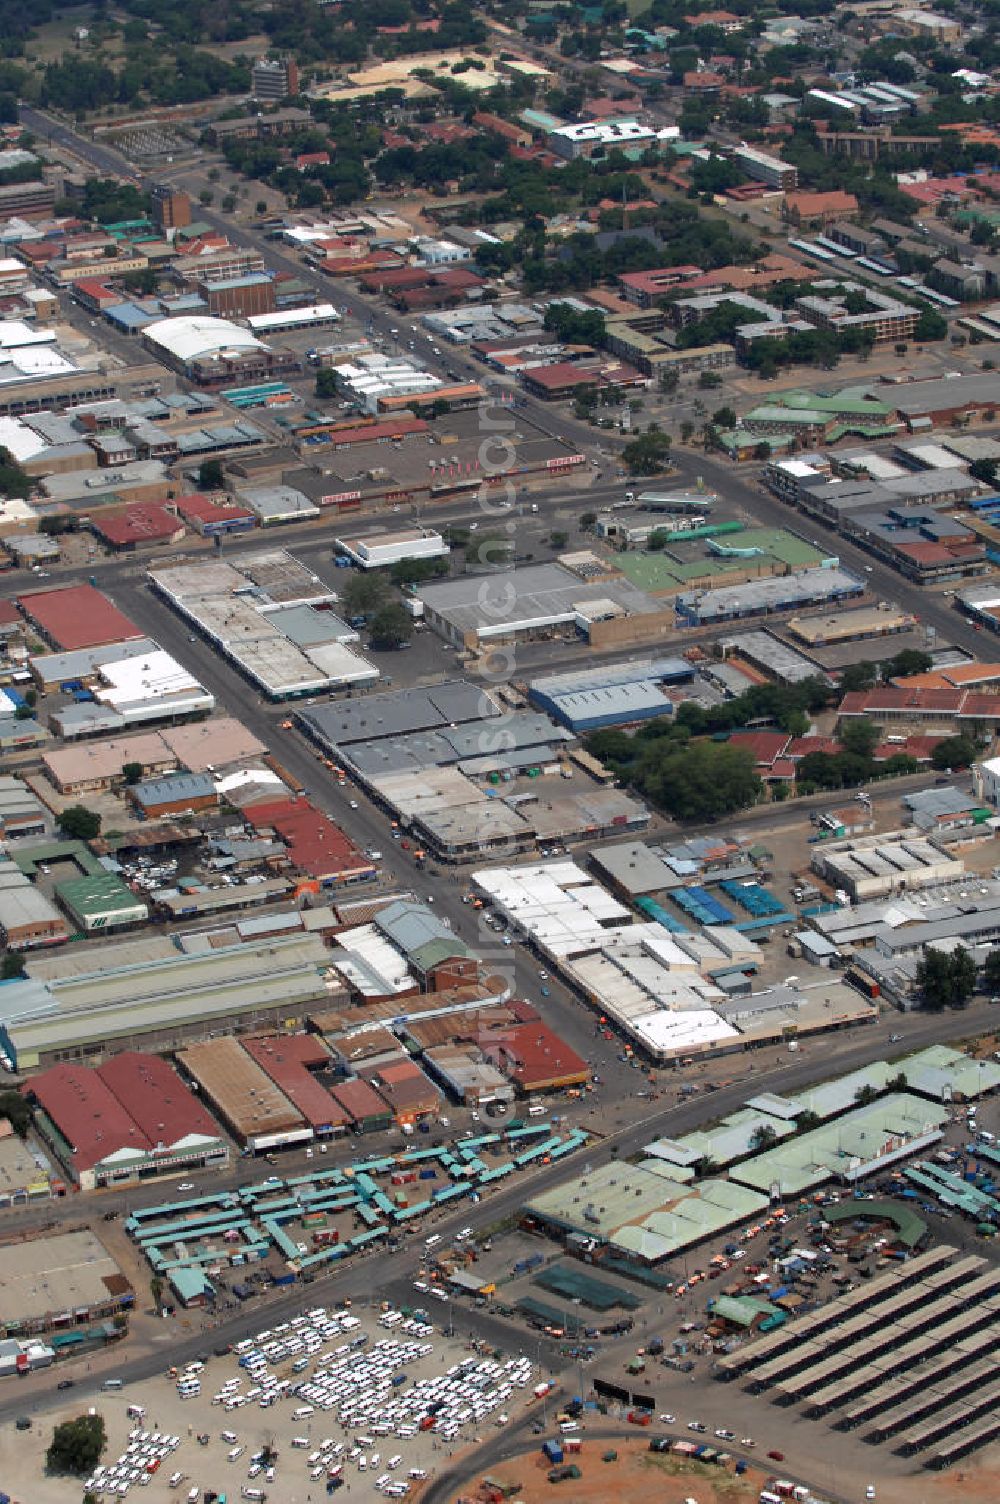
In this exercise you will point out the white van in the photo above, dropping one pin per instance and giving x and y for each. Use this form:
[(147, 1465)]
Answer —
[(536, 1111), (433, 1240), (302, 1412), (300, 1441)]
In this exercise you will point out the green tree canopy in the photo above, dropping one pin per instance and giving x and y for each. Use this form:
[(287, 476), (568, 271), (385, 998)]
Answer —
[(76, 1445), (80, 823), (364, 593), (391, 626), (945, 979), (648, 453), (211, 476), (14, 1107)]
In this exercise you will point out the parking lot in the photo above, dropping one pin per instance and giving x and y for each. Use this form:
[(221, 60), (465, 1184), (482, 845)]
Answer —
[(331, 1398)]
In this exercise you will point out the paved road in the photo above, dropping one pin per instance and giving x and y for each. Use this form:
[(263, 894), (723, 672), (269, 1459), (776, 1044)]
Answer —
[(839, 1054)]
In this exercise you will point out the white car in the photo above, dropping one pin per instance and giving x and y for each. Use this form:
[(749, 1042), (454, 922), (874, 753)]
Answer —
[(185, 1185)]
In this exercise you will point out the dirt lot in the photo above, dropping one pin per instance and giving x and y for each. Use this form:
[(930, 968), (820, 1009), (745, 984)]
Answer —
[(638, 1474)]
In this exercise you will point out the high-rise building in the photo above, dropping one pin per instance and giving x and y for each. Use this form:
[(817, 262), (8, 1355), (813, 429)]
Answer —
[(275, 78), (171, 207)]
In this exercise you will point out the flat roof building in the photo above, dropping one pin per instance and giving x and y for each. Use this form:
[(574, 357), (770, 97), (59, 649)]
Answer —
[(245, 1097), (77, 616), (292, 1061), (100, 903), (96, 765), (28, 918)]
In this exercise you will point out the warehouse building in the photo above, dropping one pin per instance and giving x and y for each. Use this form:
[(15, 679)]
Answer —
[(542, 601), (792, 592), (129, 1120), (177, 794), (252, 1107), (22, 814), (243, 611), (98, 903), (643, 1211), (369, 1112), (93, 766), (292, 1062), (27, 918), (613, 696), (867, 867), (77, 616), (85, 1004)]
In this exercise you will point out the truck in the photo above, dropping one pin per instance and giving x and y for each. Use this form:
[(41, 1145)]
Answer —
[(553, 1451)]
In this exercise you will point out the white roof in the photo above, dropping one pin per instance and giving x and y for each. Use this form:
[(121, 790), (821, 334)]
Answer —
[(188, 338), (664, 1030), (15, 332), (290, 316), (149, 676), (21, 441)]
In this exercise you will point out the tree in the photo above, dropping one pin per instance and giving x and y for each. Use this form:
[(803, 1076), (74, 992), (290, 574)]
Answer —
[(364, 593), (17, 1112), (76, 1445), (954, 752), (945, 979), (991, 971), (13, 480), (647, 454), (80, 823), (391, 626), (724, 417), (156, 1291), (587, 520), (930, 326), (860, 737), (132, 772), (210, 475), (11, 966), (858, 676), (697, 782), (865, 1095), (687, 429), (763, 1137), (985, 471), (806, 1121), (559, 539), (708, 380), (326, 382)]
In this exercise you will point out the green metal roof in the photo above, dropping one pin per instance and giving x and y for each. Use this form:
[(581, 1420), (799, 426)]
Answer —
[(909, 1227), (742, 1310)]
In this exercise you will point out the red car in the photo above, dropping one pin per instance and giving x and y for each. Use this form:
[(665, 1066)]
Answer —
[(776, 1456), (639, 1417)]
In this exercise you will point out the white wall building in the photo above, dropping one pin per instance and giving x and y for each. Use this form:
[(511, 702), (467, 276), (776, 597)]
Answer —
[(379, 553)]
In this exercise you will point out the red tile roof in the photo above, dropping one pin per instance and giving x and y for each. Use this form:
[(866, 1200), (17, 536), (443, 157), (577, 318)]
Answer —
[(316, 846), (78, 616), (9, 614), (289, 1060), (197, 507), (140, 522), (765, 745), (532, 1055), (359, 1099), (87, 1114), (156, 1098), (802, 746)]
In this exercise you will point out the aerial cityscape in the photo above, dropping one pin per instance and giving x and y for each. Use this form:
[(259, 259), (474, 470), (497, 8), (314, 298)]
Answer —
[(499, 765)]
